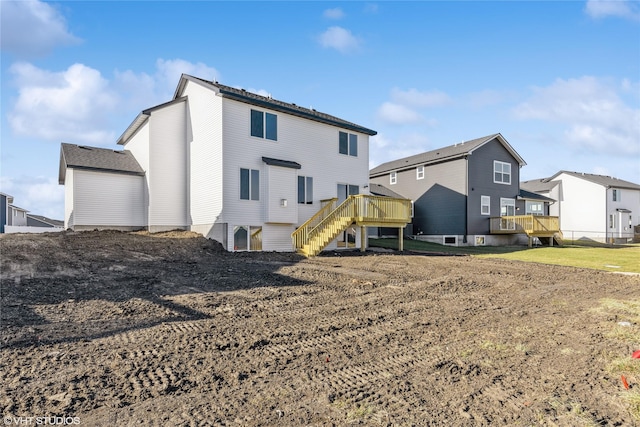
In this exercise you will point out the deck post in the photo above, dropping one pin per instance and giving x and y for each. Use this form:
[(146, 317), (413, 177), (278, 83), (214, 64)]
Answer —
[(363, 238), (530, 241), (551, 241), (400, 240)]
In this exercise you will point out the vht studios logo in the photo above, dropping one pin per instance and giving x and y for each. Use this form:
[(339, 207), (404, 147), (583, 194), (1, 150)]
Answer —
[(41, 421)]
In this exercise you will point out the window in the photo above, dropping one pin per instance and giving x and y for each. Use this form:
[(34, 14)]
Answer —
[(264, 125), (247, 238), (249, 184), (480, 240), (393, 178), (420, 172), (348, 144), (616, 195), (508, 209), (612, 221), (305, 190), (534, 208), (485, 205), (501, 172)]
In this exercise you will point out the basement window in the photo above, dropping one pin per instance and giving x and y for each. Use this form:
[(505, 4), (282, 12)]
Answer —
[(450, 240)]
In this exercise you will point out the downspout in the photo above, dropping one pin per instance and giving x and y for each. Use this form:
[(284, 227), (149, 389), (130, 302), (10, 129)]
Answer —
[(466, 200), (606, 214)]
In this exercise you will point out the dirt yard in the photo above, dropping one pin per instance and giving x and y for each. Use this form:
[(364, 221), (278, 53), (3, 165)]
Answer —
[(109, 328)]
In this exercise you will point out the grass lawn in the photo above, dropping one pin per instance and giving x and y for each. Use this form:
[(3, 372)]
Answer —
[(622, 258)]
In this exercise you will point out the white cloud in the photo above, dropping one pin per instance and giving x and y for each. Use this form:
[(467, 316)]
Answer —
[(32, 28), (81, 106), (398, 114), (66, 105), (384, 149), (619, 8), (39, 195), (340, 39), (335, 13), (592, 112), (416, 98)]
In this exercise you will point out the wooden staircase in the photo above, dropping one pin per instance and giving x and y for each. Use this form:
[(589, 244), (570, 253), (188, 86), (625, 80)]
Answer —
[(363, 210)]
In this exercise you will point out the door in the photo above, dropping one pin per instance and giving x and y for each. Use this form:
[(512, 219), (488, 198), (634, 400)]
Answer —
[(348, 237), (507, 208)]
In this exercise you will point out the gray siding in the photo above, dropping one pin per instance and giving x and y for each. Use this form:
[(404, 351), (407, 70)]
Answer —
[(481, 184), (3, 212), (439, 198)]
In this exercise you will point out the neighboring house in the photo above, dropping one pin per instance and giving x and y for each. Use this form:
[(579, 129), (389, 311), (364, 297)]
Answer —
[(43, 221), (457, 190), (243, 169), (591, 207), (11, 215)]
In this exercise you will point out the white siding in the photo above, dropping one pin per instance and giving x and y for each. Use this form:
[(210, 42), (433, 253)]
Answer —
[(167, 172), (583, 209), (204, 146), (277, 237), (313, 145), (106, 199), (138, 144), (281, 186), (69, 199)]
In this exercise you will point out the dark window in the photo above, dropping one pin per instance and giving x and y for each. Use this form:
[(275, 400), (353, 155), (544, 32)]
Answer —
[(257, 125), (305, 190), (353, 145), (264, 125), (272, 126), (344, 143), (249, 184), (348, 144)]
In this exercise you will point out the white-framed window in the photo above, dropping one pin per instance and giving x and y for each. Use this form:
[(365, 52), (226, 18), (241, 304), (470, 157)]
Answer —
[(305, 190), (480, 240), (612, 221), (420, 172), (393, 178), (534, 208), (247, 238), (615, 194), (249, 184), (507, 208), (485, 205), (264, 125), (348, 144), (501, 172)]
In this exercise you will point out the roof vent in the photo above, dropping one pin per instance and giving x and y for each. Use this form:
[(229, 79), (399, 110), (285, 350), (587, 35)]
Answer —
[(84, 147)]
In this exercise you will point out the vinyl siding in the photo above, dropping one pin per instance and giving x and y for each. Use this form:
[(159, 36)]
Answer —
[(167, 173), (105, 199), (205, 152), (69, 199), (311, 144), (439, 198), (481, 184)]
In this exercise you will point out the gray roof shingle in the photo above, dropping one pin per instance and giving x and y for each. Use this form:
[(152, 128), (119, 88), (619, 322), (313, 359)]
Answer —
[(93, 158), (285, 107), (442, 154), (381, 190), (605, 181)]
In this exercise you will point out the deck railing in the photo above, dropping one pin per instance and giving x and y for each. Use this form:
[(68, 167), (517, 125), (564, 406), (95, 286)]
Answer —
[(532, 225), (361, 209)]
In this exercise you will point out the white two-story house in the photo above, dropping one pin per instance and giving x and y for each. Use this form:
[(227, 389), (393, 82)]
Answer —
[(243, 169), (591, 207)]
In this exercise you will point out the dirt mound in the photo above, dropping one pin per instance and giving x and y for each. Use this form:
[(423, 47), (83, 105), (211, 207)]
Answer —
[(170, 329)]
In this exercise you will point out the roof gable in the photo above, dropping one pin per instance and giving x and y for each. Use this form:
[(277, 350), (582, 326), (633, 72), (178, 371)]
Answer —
[(93, 158), (444, 154)]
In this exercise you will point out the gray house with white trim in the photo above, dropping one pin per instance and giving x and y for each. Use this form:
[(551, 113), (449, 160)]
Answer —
[(457, 189)]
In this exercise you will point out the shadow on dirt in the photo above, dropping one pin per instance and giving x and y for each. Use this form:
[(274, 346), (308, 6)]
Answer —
[(65, 287)]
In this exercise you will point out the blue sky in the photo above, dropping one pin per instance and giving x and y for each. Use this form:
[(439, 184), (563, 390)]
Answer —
[(559, 80)]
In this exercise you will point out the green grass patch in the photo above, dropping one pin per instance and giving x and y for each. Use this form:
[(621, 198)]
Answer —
[(623, 258)]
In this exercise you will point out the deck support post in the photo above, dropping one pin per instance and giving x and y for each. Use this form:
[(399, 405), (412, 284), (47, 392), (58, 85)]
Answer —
[(551, 241), (363, 238), (400, 240), (530, 241)]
